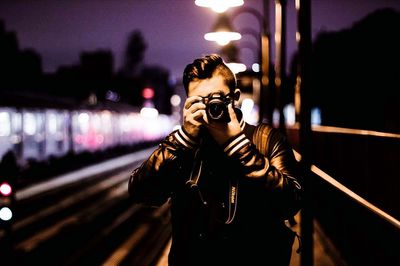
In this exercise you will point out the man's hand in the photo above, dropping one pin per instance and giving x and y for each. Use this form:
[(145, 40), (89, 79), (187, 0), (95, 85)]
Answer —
[(194, 115), (222, 132)]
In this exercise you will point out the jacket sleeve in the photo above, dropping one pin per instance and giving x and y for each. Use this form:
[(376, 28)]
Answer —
[(152, 182), (274, 169)]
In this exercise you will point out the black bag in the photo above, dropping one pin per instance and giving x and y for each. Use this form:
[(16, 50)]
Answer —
[(287, 234)]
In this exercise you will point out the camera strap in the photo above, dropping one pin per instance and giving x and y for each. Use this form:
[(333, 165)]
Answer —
[(196, 171), (195, 175), (232, 200), (234, 182), (192, 182)]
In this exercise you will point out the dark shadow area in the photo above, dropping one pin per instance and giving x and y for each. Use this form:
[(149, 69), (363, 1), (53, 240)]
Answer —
[(355, 74)]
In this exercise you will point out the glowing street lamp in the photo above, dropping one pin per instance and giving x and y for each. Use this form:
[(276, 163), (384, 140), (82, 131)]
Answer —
[(236, 67), (222, 32), (219, 6)]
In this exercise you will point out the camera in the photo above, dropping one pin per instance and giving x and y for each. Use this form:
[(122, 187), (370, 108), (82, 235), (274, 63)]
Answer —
[(217, 108)]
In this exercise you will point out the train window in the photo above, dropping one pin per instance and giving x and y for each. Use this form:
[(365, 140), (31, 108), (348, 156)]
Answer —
[(106, 121), (16, 132), (34, 135), (29, 124), (16, 122), (56, 134), (52, 124), (83, 122), (96, 122), (87, 132), (5, 123), (106, 128), (5, 131), (62, 135)]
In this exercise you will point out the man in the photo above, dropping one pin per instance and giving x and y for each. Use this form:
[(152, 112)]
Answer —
[(232, 185)]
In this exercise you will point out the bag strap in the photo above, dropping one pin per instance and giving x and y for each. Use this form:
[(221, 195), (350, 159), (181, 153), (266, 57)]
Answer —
[(259, 131)]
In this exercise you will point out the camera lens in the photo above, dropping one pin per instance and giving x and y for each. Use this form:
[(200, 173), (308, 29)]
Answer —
[(216, 110)]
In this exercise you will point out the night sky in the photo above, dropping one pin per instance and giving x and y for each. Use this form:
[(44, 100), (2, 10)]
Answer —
[(174, 29)]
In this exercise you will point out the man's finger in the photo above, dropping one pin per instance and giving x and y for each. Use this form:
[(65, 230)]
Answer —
[(196, 106), (205, 117), (191, 100), (232, 113), (195, 122), (198, 114)]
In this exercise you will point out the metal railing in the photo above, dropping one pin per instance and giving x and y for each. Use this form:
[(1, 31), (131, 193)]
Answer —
[(364, 163), (351, 194), (329, 129)]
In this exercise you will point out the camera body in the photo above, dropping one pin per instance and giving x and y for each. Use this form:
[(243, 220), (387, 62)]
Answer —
[(217, 108)]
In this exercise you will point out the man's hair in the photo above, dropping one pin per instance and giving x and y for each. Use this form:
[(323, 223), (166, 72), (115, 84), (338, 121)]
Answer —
[(205, 67)]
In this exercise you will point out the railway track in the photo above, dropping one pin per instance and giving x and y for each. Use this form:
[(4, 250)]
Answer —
[(88, 222)]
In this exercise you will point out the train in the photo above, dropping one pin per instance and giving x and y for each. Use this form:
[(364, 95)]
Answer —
[(40, 133)]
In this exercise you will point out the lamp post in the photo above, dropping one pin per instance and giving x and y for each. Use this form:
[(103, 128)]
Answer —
[(230, 51), (303, 37), (255, 51), (280, 57), (222, 32), (223, 29)]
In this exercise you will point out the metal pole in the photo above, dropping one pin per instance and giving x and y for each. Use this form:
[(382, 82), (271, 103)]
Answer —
[(280, 61), (264, 55), (304, 77), (265, 61)]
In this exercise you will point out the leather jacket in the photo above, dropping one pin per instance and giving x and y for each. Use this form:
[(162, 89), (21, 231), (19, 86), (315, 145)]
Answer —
[(229, 203)]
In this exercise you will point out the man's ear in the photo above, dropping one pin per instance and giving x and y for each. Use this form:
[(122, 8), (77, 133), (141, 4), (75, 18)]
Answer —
[(236, 95)]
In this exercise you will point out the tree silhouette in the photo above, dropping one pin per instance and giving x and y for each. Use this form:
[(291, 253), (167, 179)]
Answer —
[(355, 78)]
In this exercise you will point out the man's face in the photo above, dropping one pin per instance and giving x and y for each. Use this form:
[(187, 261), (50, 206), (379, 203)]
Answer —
[(208, 87)]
